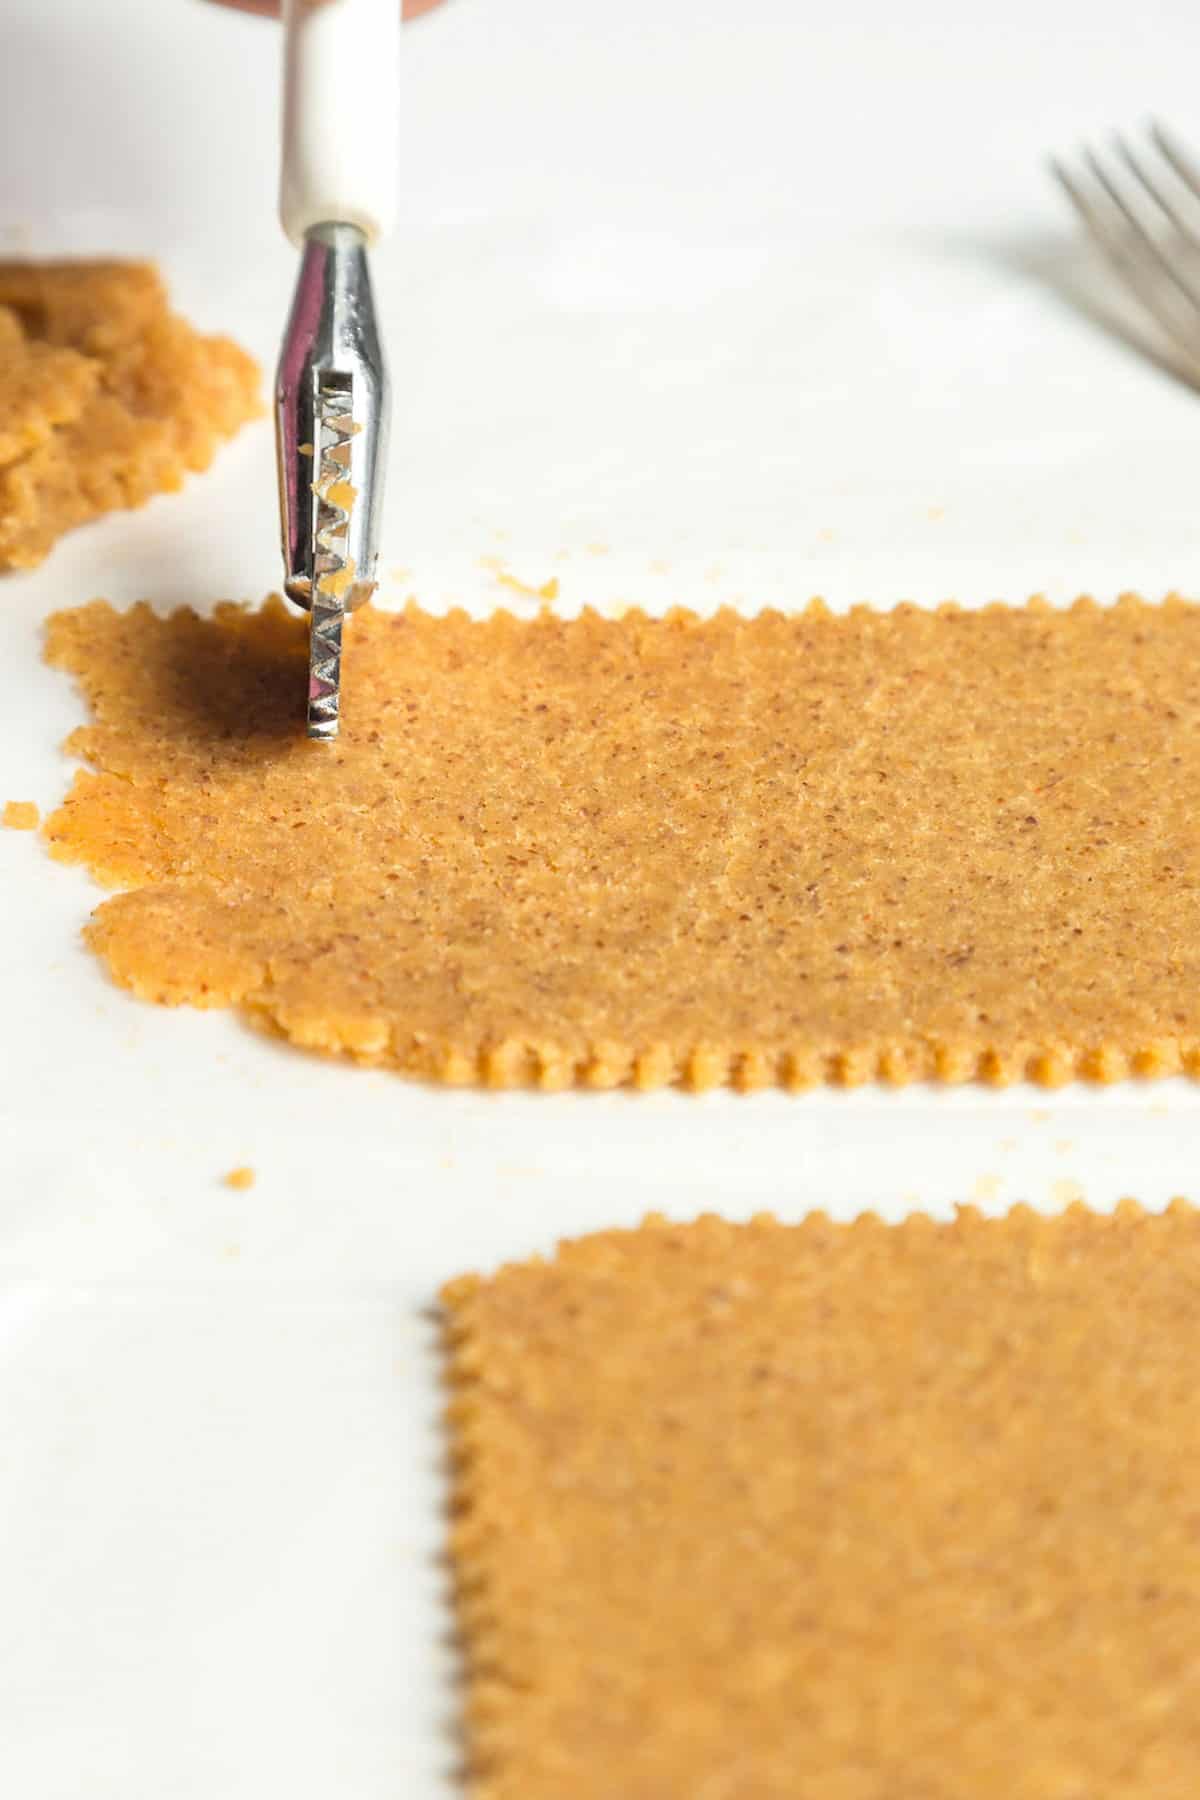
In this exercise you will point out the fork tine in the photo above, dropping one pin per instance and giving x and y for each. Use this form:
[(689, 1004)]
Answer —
[(1079, 200), (1177, 156), (1154, 189), (1145, 237), (1131, 271)]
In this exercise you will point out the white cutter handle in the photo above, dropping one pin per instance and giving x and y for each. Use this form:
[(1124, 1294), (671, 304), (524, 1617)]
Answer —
[(340, 112)]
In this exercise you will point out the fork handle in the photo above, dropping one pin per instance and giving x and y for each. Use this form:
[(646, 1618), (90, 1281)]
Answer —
[(340, 114)]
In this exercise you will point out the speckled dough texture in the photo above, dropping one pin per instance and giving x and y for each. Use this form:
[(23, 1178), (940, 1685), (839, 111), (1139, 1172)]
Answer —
[(767, 850), (109, 397), (834, 1513)]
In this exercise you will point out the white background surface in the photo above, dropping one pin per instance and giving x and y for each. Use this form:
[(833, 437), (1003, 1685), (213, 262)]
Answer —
[(693, 302)]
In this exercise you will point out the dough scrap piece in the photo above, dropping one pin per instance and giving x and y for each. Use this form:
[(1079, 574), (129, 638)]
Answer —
[(45, 387), (766, 850), (20, 815), (834, 1513), (110, 398)]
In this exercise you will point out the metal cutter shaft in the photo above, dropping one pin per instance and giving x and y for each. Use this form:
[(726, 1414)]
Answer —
[(331, 420)]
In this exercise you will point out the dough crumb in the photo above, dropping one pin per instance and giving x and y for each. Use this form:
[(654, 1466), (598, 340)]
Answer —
[(109, 397), (242, 1177), (21, 815), (547, 592)]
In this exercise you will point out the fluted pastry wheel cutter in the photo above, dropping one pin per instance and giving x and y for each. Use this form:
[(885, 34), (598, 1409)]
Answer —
[(337, 199)]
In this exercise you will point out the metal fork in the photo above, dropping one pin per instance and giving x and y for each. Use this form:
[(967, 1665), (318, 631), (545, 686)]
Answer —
[(1142, 208)]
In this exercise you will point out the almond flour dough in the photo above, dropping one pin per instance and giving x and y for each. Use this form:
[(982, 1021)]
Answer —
[(768, 850), (834, 1513), (109, 397)]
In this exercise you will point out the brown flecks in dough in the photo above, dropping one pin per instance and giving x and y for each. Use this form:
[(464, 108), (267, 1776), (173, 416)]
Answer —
[(21, 815), (849, 1512), (109, 397), (240, 1178), (778, 850)]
